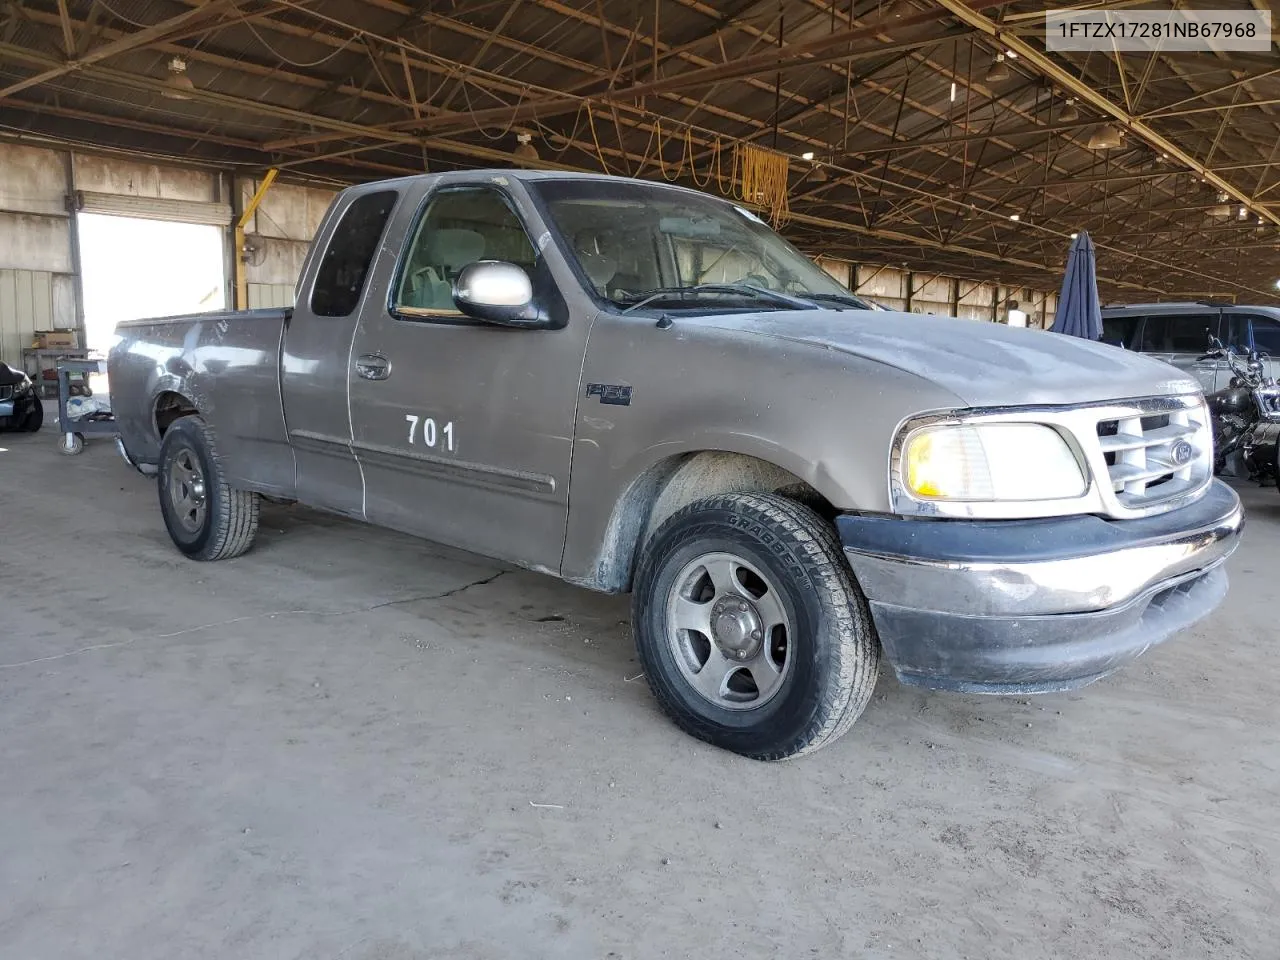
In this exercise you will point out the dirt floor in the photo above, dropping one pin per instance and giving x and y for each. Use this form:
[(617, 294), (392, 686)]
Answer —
[(351, 744)]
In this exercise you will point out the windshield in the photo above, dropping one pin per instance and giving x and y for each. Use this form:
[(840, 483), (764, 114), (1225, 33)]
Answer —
[(645, 245)]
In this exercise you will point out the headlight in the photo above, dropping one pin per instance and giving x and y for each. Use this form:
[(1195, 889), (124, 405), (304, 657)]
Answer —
[(990, 462)]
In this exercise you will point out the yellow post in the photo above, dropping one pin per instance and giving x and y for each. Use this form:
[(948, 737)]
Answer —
[(242, 284)]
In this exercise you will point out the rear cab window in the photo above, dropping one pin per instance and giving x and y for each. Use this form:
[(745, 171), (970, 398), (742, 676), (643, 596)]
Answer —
[(345, 265)]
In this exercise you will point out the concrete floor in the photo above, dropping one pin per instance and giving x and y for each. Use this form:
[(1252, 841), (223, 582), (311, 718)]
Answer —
[(335, 747)]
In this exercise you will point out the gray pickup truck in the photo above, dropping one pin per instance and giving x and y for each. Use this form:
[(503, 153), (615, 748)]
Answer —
[(637, 387)]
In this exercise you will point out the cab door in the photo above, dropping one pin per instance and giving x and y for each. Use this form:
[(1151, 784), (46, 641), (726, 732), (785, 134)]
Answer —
[(315, 354), (464, 429)]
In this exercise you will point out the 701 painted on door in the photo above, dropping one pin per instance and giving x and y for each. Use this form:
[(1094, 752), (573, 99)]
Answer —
[(431, 434)]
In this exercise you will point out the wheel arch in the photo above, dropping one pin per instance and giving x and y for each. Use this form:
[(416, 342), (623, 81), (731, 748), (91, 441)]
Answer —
[(676, 481), (167, 407)]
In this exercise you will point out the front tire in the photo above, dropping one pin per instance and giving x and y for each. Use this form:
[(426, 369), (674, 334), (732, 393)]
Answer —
[(206, 518), (751, 631), (34, 418)]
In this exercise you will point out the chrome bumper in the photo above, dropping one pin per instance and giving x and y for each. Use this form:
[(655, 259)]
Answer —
[(1068, 585), (1016, 606)]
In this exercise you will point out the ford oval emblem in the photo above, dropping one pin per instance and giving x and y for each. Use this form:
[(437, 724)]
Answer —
[(1183, 453)]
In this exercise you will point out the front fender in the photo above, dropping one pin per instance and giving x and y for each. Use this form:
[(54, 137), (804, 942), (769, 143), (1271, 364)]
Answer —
[(827, 417)]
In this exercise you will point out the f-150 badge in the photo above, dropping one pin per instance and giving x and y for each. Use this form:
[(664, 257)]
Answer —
[(612, 393)]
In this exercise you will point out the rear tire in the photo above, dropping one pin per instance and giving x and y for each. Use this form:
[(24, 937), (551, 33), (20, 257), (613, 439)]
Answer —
[(754, 589), (206, 518)]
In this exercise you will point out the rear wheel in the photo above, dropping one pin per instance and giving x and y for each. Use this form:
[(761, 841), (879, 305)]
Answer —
[(206, 518), (752, 633)]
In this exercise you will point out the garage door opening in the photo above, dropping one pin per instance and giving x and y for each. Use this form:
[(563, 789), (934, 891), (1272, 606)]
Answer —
[(135, 268)]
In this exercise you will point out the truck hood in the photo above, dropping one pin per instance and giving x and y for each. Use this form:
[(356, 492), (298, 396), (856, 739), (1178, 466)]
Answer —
[(985, 364)]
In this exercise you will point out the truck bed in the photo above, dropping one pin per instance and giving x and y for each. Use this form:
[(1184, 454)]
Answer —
[(226, 365)]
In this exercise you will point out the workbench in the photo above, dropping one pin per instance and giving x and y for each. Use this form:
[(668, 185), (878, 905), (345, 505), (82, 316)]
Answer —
[(36, 360)]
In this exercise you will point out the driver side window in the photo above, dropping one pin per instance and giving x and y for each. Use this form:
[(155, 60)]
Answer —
[(457, 228)]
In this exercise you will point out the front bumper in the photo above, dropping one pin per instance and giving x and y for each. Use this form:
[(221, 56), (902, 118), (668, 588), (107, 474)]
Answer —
[(1030, 606)]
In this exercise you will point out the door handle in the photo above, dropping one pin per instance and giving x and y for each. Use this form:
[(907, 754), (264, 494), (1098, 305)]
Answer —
[(372, 366)]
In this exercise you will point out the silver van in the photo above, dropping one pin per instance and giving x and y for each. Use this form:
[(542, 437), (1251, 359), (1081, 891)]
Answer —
[(1178, 333)]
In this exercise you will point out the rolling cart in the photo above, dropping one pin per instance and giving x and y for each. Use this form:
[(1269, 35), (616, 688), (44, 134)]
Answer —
[(73, 430)]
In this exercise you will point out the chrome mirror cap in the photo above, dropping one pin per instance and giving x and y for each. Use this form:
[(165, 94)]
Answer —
[(496, 292)]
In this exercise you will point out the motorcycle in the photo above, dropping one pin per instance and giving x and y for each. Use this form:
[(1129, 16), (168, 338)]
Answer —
[(20, 406), (1246, 416)]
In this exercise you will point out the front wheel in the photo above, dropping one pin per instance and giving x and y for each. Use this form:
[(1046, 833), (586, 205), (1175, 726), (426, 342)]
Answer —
[(751, 631), (206, 518), (34, 418)]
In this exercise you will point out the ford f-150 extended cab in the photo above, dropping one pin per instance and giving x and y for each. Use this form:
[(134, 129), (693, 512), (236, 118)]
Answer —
[(637, 387)]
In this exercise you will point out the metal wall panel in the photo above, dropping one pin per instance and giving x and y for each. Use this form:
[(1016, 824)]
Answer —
[(837, 270), (976, 300), (26, 305), (32, 180), (270, 295), (35, 242), (139, 178), (287, 211), (274, 261)]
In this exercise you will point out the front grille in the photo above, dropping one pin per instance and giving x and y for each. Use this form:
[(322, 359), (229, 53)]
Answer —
[(6, 391), (1155, 450)]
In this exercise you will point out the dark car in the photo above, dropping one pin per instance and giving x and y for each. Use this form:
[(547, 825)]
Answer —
[(1178, 333), (20, 406)]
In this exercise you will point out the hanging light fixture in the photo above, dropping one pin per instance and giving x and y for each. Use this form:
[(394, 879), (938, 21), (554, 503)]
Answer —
[(1069, 113), (177, 86), (525, 151), (1221, 211), (816, 174), (1106, 137), (998, 71)]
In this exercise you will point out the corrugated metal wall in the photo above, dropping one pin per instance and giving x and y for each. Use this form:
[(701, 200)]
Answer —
[(270, 295), (26, 305), (37, 278)]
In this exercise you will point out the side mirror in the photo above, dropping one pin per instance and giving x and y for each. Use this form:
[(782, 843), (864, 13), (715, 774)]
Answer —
[(497, 292)]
